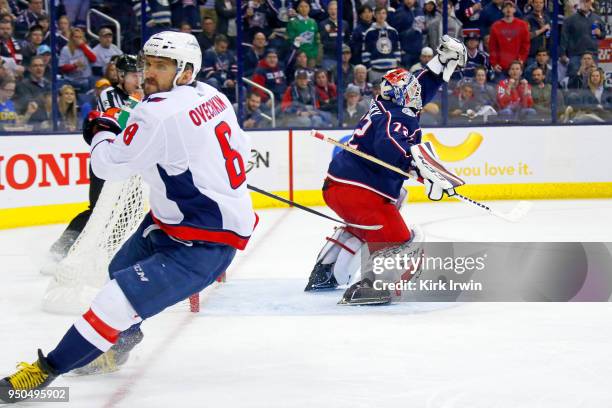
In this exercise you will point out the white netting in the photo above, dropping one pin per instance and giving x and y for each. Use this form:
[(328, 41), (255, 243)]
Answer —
[(79, 276)]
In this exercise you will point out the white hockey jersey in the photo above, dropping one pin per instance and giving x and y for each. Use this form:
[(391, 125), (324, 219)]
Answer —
[(189, 148)]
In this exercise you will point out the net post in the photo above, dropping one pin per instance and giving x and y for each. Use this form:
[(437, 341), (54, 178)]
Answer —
[(194, 303)]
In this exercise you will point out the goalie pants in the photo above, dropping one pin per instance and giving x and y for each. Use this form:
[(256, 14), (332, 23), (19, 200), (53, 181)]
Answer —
[(358, 205), (155, 271)]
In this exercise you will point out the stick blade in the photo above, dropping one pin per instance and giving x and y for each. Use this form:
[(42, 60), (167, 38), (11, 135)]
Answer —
[(365, 227), (518, 212)]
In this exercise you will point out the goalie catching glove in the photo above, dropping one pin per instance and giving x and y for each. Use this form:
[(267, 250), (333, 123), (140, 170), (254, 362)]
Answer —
[(98, 122), (437, 179), (451, 53)]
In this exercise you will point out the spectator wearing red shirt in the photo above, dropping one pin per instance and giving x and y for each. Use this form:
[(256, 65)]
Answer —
[(327, 94), (514, 94), (509, 39)]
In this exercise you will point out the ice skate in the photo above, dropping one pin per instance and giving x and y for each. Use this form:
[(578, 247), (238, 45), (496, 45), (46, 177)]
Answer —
[(321, 278), (114, 358), (363, 293), (29, 377)]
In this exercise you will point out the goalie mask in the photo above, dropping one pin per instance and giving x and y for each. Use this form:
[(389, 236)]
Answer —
[(183, 48), (402, 88)]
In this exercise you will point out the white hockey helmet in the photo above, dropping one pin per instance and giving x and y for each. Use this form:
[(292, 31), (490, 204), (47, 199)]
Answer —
[(402, 88), (181, 47)]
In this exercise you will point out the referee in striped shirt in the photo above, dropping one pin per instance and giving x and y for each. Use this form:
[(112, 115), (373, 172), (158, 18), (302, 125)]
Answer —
[(110, 99), (129, 82)]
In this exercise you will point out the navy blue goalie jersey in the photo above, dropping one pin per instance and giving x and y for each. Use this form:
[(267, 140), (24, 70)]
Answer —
[(386, 131)]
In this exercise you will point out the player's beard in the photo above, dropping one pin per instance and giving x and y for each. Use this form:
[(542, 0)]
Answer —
[(152, 86)]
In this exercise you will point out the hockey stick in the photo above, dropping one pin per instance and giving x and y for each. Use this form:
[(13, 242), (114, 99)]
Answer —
[(310, 210), (514, 215)]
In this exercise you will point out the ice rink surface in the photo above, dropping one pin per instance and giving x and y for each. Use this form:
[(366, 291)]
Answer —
[(260, 341)]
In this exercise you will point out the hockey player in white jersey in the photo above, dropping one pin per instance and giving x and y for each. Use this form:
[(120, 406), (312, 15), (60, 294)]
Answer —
[(185, 141)]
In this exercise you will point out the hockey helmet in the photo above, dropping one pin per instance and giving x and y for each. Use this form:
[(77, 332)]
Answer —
[(181, 47), (402, 88), (127, 63)]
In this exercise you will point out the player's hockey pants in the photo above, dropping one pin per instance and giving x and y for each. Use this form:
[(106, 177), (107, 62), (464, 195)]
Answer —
[(155, 271)]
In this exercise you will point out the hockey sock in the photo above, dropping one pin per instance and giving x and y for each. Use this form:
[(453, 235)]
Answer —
[(72, 351)]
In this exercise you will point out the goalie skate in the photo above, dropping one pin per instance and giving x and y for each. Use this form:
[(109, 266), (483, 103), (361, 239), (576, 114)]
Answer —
[(363, 293), (321, 278)]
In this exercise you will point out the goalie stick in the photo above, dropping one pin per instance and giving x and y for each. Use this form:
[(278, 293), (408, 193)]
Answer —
[(301, 207), (514, 215)]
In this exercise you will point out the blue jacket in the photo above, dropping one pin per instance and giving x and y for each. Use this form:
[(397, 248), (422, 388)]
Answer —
[(356, 41), (387, 131), (411, 42), (381, 48), (465, 13), (219, 66), (403, 18), (481, 59)]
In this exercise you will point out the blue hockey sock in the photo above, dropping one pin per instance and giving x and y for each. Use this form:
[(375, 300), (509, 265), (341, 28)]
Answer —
[(73, 351)]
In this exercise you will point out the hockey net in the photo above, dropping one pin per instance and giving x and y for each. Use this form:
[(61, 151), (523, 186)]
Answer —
[(84, 271), (80, 275)]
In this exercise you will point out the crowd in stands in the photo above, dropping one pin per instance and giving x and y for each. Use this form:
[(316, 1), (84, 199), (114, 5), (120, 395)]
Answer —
[(290, 48)]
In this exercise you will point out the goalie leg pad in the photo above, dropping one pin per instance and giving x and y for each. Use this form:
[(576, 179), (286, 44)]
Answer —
[(332, 266), (348, 262), (336, 244), (402, 267), (370, 288)]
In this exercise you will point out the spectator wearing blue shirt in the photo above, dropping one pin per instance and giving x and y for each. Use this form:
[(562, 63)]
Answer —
[(328, 29), (402, 20), (412, 42), (541, 62), (253, 53), (475, 57), (253, 116), (29, 18), (539, 29), (366, 14), (468, 12), (381, 46), (219, 67)]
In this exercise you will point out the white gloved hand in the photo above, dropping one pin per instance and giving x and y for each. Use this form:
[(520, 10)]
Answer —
[(435, 190), (451, 54), (437, 179)]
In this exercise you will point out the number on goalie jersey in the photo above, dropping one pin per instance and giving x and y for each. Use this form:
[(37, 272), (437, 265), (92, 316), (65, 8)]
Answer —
[(387, 131), (189, 148)]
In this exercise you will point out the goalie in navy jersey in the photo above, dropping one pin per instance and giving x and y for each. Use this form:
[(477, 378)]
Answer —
[(363, 192), (184, 140)]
